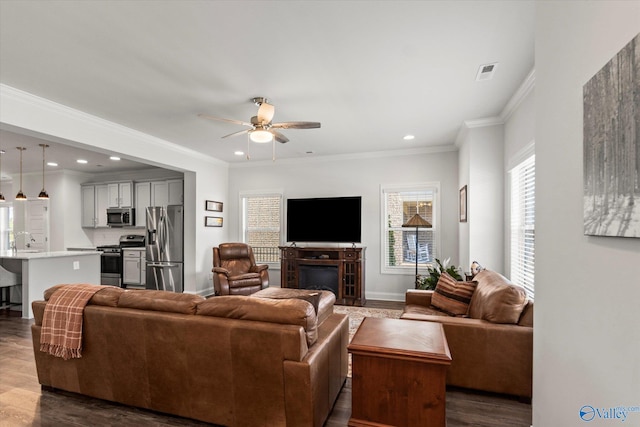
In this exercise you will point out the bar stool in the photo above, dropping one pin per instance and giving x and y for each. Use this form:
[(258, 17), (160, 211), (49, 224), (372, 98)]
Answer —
[(8, 280)]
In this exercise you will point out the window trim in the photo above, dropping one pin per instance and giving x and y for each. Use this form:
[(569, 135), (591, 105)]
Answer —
[(437, 225)]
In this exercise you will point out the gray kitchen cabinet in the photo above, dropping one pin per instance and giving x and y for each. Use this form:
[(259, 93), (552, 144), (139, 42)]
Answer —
[(133, 268), (168, 192), (143, 200), (159, 193), (120, 195), (95, 200), (175, 192)]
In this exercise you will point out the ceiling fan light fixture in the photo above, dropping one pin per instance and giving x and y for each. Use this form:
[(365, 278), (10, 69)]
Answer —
[(261, 136)]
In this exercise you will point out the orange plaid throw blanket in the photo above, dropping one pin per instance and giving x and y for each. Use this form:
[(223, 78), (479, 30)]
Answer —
[(61, 333)]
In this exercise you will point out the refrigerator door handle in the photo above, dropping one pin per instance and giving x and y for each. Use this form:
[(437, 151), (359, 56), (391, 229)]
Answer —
[(151, 238), (161, 265), (162, 235)]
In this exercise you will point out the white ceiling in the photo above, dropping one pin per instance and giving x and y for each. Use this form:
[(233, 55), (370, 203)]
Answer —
[(369, 71)]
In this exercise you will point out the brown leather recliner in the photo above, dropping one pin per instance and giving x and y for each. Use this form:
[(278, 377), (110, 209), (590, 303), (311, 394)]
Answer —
[(235, 271)]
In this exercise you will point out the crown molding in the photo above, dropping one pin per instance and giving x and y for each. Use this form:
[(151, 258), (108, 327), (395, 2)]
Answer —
[(351, 156), (520, 94), (8, 93), (512, 105)]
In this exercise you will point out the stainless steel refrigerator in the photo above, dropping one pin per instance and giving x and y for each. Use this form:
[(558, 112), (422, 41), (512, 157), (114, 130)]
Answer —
[(165, 242)]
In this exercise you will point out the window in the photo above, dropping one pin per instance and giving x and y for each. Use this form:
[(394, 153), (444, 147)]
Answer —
[(261, 224), (522, 224), (399, 243)]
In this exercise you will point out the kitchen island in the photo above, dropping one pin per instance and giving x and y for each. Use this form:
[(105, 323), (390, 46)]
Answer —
[(41, 270)]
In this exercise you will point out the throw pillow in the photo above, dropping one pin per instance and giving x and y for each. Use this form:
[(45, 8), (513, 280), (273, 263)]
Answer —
[(451, 296), (496, 299)]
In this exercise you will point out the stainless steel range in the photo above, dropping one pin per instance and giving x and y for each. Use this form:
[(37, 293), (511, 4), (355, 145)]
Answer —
[(111, 259)]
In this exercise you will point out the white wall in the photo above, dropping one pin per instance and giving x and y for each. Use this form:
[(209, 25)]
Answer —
[(587, 332), (205, 177), (358, 176), (519, 144), (481, 164), (519, 130), (464, 166)]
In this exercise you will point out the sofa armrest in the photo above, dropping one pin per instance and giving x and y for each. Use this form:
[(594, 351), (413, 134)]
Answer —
[(258, 268), (488, 356), (221, 271), (418, 297)]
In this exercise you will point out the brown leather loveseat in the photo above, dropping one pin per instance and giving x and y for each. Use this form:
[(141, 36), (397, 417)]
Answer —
[(228, 360), (491, 348)]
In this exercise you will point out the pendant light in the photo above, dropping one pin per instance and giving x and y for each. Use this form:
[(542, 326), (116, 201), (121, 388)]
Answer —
[(43, 194), (20, 195), (1, 196)]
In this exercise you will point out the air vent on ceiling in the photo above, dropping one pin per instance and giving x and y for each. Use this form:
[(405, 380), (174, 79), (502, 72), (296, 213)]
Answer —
[(486, 71)]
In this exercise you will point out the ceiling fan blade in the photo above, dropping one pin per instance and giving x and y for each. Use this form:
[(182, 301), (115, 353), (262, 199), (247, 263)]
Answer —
[(237, 122), (296, 125), (236, 133), (265, 112), (279, 137)]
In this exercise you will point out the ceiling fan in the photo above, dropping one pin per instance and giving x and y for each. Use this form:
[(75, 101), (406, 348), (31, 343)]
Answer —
[(262, 129)]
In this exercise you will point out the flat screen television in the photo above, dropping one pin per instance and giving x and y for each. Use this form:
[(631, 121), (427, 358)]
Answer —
[(329, 219)]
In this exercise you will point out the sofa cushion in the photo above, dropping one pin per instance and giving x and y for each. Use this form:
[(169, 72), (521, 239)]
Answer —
[(283, 311), (160, 301), (106, 296), (496, 299), (322, 301), (416, 309), (451, 296)]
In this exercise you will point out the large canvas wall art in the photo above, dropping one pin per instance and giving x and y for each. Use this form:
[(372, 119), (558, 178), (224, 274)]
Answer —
[(612, 146)]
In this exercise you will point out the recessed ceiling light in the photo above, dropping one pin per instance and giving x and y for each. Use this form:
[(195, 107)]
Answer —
[(408, 137), (52, 164), (239, 153), (82, 161), (116, 158)]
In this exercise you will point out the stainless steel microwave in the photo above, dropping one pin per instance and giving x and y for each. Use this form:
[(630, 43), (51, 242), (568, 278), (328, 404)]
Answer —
[(119, 217)]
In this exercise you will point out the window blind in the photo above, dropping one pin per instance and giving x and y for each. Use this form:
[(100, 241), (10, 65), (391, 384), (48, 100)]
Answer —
[(523, 204), (261, 225)]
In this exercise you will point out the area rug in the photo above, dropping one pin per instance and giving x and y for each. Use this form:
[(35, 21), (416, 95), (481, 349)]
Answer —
[(357, 315)]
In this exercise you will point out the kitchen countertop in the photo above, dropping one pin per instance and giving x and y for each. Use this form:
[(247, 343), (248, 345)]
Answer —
[(38, 255)]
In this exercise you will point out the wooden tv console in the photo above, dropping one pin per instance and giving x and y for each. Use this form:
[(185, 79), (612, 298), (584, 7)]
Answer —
[(348, 262)]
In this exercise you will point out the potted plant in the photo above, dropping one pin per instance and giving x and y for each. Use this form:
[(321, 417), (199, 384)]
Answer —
[(430, 280)]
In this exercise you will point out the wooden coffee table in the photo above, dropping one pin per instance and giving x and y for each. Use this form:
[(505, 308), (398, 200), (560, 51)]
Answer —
[(399, 369)]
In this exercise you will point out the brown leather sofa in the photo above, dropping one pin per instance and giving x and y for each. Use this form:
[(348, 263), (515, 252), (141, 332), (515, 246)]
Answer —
[(492, 348), (228, 360), (235, 271)]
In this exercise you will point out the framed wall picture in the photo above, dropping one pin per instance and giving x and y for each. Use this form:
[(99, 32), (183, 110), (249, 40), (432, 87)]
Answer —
[(212, 206), (611, 146), (212, 221), (463, 204)]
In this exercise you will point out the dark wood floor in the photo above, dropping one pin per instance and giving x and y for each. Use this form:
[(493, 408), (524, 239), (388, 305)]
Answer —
[(23, 403)]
